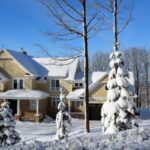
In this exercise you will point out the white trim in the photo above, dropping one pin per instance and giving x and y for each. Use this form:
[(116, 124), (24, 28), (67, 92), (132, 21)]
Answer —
[(54, 88), (18, 107), (37, 107), (31, 84), (55, 101)]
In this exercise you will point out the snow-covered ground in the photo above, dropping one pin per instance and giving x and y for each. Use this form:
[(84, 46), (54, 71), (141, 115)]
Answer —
[(40, 136)]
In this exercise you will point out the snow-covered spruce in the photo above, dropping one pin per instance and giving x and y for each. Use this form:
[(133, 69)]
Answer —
[(119, 111), (62, 118), (8, 135)]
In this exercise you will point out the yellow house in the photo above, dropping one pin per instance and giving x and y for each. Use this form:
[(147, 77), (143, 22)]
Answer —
[(31, 85)]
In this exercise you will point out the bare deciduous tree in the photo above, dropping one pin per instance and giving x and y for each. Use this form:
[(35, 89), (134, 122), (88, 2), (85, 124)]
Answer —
[(75, 19), (135, 63), (100, 61)]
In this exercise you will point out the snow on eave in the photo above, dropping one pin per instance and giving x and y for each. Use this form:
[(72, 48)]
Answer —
[(76, 95), (96, 83), (24, 94)]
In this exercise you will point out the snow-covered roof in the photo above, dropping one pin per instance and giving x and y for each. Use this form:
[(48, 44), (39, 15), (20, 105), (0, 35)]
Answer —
[(60, 67), (24, 94), (28, 64), (76, 95), (94, 80), (3, 78)]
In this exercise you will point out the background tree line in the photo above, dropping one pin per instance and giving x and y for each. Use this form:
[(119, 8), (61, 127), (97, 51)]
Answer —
[(136, 60)]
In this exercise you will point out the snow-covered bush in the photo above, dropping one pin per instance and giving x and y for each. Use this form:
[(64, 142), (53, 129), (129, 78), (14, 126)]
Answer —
[(8, 135), (62, 118), (119, 111)]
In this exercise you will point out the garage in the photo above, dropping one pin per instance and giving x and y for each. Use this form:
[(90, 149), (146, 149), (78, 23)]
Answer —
[(95, 111)]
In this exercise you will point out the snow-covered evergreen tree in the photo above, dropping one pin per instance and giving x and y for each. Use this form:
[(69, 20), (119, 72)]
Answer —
[(62, 118), (119, 111), (8, 135)]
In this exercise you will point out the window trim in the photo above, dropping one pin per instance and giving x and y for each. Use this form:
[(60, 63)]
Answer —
[(80, 104), (54, 88), (57, 100), (18, 83)]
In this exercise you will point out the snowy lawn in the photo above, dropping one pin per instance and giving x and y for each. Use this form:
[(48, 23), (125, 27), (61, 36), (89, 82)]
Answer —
[(46, 131), (40, 136)]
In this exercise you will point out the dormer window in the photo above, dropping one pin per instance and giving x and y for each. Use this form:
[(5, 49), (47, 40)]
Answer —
[(78, 84)]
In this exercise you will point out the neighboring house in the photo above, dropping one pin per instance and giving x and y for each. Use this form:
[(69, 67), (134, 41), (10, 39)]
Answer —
[(31, 85)]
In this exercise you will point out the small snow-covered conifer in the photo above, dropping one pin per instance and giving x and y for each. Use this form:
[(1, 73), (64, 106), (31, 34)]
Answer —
[(8, 135), (119, 111), (62, 118)]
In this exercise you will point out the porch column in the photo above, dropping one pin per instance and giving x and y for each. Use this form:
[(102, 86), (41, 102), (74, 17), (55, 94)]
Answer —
[(18, 106), (18, 115), (37, 116), (37, 107), (69, 106)]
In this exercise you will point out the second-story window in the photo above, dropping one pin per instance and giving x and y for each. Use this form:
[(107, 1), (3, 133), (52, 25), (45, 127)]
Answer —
[(18, 84), (55, 84), (78, 85)]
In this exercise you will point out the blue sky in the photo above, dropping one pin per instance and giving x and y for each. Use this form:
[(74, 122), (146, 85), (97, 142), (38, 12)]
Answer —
[(23, 20)]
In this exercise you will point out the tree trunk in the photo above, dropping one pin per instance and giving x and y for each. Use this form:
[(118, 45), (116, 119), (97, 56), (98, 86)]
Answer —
[(147, 87), (115, 26), (86, 69)]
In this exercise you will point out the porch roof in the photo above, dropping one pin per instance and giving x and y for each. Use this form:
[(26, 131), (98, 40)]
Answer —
[(24, 94)]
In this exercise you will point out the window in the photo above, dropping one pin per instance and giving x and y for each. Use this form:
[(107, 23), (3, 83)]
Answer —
[(78, 84), (106, 88), (18, 84), (33, 105), (55, 84), (55, 101), (78, 104)]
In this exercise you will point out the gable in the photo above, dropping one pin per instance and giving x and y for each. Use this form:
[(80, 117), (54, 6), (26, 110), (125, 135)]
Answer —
[(28, 64), (99, 90), (9, 67)]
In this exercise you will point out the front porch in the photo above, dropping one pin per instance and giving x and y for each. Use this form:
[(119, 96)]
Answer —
[(25, 110)]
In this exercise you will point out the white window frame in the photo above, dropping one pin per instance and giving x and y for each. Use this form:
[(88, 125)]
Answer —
[(78, 104), (18, 83), (55, 101), (33, 105), (54, 88)]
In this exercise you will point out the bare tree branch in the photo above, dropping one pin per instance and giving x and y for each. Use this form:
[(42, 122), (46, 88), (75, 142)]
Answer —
[(73, 8), (68, 14)]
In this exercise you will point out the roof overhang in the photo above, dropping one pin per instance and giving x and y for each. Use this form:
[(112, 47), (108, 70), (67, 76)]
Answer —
[(24, 94)]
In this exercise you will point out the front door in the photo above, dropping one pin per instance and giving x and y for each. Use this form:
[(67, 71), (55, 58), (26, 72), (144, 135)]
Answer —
[(13, 106)]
